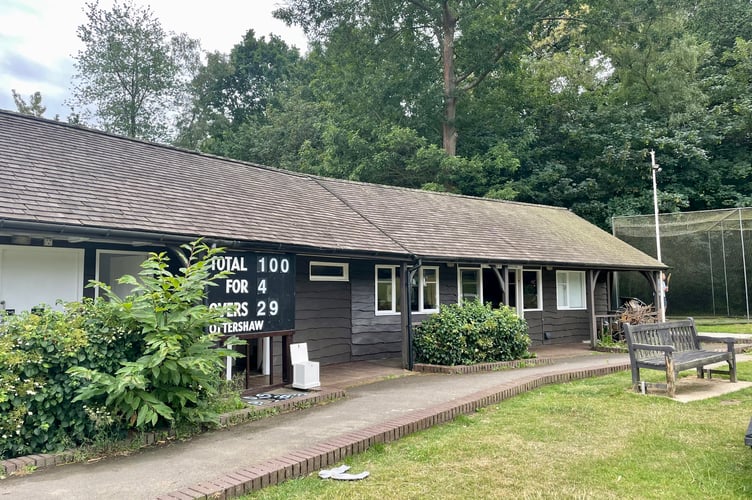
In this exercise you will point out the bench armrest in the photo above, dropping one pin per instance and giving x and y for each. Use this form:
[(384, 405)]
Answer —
[(650, 347), (711, 339)]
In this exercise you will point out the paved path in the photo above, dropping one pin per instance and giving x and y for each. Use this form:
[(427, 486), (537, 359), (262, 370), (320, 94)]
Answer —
[(208, 458)]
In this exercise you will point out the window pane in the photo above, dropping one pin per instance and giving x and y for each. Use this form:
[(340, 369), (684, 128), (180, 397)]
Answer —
[(512, 288), (384, 274), (414, 292), (530, 289), (561, 295), (570, 290), (470, 284), (384, 299), (562, 299), (398, 289), (430, 289), (324, 272), (576, 290)]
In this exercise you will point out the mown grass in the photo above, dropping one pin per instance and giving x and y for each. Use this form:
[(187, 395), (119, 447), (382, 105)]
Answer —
[(587, 439), (723, 327)]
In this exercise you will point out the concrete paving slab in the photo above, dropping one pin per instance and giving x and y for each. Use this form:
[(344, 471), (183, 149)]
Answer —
[(690, 389)]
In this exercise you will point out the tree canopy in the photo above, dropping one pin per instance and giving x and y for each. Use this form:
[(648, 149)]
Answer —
[(132, 75)]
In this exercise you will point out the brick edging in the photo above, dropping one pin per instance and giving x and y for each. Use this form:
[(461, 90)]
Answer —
[(481, 367), (45, 460), (303, 462)]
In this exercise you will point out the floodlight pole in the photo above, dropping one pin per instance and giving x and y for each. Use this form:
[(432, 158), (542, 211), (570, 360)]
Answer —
[(661, 288)]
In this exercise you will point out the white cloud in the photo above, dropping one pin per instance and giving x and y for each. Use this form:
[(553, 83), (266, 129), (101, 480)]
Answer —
[(38, 39)]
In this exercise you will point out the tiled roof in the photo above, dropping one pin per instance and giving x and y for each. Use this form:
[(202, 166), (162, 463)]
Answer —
[(438, 225), (54, 173)]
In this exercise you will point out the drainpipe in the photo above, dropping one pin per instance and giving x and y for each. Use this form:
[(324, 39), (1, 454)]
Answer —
[(408, 274)]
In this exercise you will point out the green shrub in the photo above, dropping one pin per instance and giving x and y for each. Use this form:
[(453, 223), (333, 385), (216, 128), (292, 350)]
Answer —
[(471, 333), (137, 362), (37, 414), (178, 371)]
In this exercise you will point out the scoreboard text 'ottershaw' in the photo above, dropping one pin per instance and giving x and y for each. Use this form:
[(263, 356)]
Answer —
[(261, 291)]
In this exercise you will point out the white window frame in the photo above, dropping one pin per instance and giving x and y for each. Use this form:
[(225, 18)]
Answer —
[(317, 277), (422, 288), (101, 251), (566, 279), (478, 270), (395, 285), (521, 291)]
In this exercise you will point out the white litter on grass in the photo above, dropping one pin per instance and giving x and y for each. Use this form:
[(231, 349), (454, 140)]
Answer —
[(340, 474)]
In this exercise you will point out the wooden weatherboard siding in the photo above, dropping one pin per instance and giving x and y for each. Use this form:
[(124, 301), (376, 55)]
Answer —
[(373, 336), (323, 315), (563, 326), (380, 336)]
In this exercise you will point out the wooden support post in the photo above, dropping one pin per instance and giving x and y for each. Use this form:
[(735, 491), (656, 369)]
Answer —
[(670, 377)]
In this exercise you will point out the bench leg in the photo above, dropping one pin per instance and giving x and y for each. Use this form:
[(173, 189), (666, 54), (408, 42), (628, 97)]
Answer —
[(732, 370), (636, 379), (670, 378)]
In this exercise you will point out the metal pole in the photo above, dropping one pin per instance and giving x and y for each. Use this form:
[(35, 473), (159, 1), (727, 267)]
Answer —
[(712, 282), (661, 291), (744, 262), (725, 270)]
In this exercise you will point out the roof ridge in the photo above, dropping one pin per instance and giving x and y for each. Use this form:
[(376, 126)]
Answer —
[(441, 193), (369, 221), (84, 128)]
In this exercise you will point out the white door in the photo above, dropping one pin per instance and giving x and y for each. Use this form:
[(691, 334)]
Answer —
[(30, 276)]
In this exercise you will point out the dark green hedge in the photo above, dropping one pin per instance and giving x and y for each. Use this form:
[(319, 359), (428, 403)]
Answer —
[(471, 333)]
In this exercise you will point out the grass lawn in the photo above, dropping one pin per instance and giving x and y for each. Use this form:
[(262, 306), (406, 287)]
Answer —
[(723, 325), (585, 439)]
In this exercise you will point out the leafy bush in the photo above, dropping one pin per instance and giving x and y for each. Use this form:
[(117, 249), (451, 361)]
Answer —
[(37, 414), (471, 333), (147, 359), (179, 369)]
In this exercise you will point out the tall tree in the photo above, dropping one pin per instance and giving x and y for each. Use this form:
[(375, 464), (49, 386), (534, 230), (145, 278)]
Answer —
[(132, 72), (470, 39), (235, 90)]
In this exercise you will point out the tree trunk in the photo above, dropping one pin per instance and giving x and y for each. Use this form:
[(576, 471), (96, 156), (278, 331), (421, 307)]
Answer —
[(449, 129)]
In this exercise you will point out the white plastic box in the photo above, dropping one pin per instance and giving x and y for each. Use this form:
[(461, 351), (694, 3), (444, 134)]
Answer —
[(305, 374)]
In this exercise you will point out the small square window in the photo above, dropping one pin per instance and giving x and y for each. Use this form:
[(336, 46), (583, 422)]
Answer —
[(329, 271)]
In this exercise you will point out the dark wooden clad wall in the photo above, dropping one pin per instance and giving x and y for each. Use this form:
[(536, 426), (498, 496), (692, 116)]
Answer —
[(380, 336), (447, 284), (322, 316), (373, 337), (565, 326)]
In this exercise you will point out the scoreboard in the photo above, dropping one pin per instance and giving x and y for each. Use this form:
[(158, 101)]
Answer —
[(260, 292)]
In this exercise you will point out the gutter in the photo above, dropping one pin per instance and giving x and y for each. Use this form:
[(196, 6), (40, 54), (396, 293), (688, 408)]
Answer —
[(78, 234)]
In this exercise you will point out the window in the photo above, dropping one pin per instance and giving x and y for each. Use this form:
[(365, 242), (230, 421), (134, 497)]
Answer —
[(424, 296), (530, 284), (387, 290), (113, 264), (470, 284), (570, 290), (329, 271), (532, 292)]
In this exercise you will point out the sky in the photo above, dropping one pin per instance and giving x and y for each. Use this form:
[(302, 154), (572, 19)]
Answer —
[(38, 38)]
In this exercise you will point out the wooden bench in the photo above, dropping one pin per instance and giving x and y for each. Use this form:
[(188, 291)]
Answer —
[(673, 347)]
